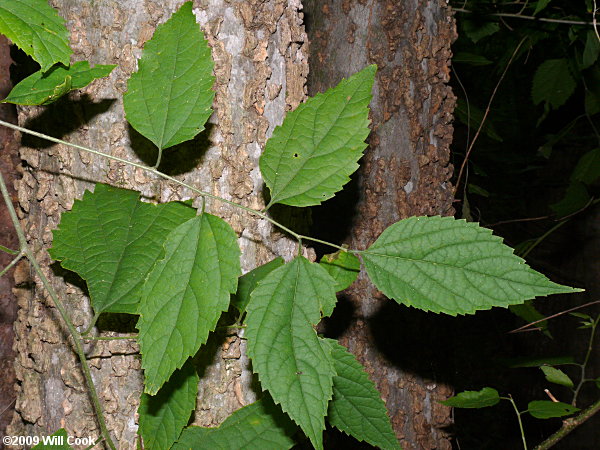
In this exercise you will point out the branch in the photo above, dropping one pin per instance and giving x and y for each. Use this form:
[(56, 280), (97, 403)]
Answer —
[(535, 19), (569, 425), (63, 313)]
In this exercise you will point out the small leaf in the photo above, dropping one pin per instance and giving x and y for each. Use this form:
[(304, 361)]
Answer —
[(545, 409), (356, 407), (540, 5), (587, 169), (553, 83), (597, 382), (291, 363), (112, 240), (472, 116), (576, 197), (248, 282), (529, 314), (536, 362), (56, 441), (474, 399), (580, 316), (44, 88), (260, 425), (441, 264), (591, 49), (343, 268), (37, 29), (592, 103), (471, 59), (185, 294), (476, 30), (163, 416), (312, 154), (557, 376), (169, 98)]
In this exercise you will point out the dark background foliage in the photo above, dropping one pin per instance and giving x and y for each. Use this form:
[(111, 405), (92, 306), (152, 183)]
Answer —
[(532, 175)]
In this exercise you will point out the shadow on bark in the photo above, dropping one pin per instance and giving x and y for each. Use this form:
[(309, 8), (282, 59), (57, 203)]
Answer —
[(176, 160)]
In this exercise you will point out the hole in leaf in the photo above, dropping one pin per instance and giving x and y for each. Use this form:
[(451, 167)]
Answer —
[(295, 155)]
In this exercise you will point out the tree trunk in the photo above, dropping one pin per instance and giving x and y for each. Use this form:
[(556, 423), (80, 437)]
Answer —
[(260, 55), (9, 159), (405, 172)]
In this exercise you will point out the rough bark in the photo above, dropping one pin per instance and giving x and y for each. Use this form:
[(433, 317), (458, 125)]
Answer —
[(8, 238), (405, 172), (259, 50)]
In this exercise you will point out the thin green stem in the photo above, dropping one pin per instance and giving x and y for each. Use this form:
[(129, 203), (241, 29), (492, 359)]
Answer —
[(62, 311), (110, 338), (158, 158), (585, 361), (201, 193), (518, 413), (11, 264), (542, 237), (339, 247), (8, 250), (153, 171), (91, 325), (94, 444)]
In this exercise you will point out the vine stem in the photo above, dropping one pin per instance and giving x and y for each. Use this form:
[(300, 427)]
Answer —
[(485, 115), (586, 360), (26, 250), (156, 172), (521, 16), (518, 413)]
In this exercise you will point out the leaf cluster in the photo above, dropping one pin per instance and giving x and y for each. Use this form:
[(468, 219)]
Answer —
[(178, 269)]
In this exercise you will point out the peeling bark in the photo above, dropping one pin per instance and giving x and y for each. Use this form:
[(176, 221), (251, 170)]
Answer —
[(259, 47), (405, 172)]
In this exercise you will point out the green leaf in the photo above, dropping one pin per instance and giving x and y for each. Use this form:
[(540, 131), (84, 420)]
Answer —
[(56, 441), (581, 316), (248, 282), (477, 30), (557, 376), (356, 407), (45, 88), (591, 103), (37, 29), (169, 98), (260, 425), (587, 169), (591, 49), (291, 363), (545, 409), (441, 264), (536, 362), (553, 83), (471, 59), (343, 268), (597, 382), (163, 416), (312, 154), (472, 116), (112, 240), (576, 197), (474, 399), (540, 5), (529, 314), (185, 294)]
